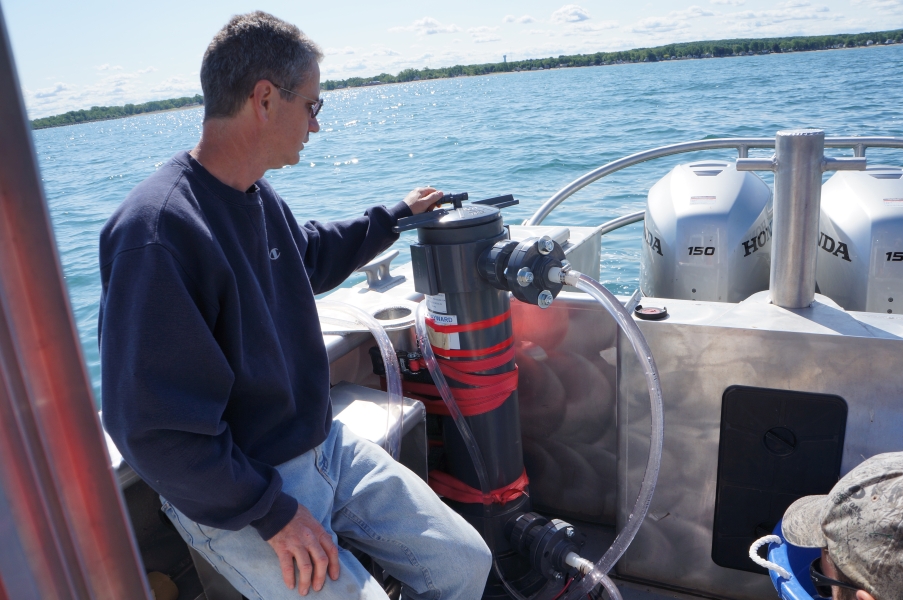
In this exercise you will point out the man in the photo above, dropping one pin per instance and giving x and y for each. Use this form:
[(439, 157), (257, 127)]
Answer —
[(859, 528), (215, 376)]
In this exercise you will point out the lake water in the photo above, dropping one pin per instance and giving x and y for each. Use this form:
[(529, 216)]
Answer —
[(528, 134)]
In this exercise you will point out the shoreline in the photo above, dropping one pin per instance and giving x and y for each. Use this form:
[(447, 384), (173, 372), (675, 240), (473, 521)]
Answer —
[(500, 72), (150, 112)]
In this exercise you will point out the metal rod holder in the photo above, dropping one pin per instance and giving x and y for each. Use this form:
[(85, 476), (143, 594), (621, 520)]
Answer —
[(798, 164)]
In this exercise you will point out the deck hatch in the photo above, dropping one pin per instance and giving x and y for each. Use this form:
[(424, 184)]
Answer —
[(776, 446)]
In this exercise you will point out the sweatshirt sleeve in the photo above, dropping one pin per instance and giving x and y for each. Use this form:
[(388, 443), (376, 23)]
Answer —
[(338, 248), (166, 384)]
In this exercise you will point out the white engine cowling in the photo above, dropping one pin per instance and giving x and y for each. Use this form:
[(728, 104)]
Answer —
[(707, 234), (860, 258)]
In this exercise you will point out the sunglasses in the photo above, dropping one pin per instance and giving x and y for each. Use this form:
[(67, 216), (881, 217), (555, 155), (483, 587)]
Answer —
[(822, 583), (314, 108)]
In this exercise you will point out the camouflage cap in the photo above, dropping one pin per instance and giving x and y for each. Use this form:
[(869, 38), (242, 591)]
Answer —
[(860, 523)]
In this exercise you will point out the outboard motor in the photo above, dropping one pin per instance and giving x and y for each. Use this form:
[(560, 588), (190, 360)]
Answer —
[(860, 258), (707, 234)]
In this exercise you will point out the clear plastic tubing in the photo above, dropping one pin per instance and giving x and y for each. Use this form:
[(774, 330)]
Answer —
[(395, 409), (650, 477), (599, 574), (611, 588), (466, 434)]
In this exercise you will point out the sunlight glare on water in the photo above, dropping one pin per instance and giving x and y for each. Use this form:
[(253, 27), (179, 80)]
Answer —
[(527, 134)]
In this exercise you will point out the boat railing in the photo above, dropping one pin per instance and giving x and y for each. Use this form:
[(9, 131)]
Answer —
[(742, 145)]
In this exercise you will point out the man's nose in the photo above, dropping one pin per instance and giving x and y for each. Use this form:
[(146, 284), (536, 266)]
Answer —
[(314, 125)]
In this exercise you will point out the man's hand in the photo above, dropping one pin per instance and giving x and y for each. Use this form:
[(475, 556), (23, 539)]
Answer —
[(422, 199), (304, 541)]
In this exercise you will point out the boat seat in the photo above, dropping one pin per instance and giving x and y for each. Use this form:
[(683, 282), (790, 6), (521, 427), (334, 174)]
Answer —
[(359, 408)]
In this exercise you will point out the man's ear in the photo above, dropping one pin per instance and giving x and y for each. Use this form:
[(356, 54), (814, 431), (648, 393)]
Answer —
[(262, 97)]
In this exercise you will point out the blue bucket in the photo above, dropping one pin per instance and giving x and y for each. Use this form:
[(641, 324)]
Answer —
[(796, 561)]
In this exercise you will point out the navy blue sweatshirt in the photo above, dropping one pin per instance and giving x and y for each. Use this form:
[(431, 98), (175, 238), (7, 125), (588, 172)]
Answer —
[(213, 363)]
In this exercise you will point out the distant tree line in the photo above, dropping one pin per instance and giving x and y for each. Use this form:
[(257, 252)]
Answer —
[(682, 51), (687, 50), (103, 113)]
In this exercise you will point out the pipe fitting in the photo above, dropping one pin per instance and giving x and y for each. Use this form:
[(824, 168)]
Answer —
[(578, 562)]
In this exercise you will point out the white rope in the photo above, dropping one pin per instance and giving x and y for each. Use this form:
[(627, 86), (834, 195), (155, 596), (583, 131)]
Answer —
[(754, 555)]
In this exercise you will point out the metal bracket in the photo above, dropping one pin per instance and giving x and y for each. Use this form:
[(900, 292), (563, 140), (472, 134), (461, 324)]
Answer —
[(377, 271)]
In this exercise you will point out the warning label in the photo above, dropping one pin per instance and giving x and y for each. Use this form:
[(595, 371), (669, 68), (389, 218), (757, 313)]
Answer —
[(893, 202), (703, 199), (446, 341), (437, 303)]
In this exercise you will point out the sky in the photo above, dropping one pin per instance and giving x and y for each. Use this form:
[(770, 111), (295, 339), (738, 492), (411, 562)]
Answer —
[(73, 55)]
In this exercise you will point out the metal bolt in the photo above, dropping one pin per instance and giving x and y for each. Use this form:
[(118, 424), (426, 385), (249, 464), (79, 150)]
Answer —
[(570, 532), (545, 299), (545, 245), (558, 576), (524, 277)]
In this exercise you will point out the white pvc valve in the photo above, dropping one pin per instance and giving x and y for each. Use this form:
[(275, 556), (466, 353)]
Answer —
[(573, 559)]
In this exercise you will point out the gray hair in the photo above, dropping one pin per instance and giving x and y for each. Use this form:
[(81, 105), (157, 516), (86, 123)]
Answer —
[(249, 48)]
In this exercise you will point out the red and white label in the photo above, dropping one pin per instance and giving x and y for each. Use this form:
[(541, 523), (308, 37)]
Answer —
[(446, 341)]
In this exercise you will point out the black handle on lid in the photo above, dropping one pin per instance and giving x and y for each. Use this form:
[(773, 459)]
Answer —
[(498, 201), (455, 199), (415, 221)]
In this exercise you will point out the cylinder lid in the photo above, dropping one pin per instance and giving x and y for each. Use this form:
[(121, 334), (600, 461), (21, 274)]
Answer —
[(469, 215)]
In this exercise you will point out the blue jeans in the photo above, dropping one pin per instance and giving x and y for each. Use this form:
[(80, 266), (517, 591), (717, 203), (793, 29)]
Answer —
[(357, 491)]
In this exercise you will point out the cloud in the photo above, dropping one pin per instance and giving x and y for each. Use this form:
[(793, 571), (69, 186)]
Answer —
[(730, 2), (483, 34), (674, 21), (794, 10), (882, 6), (182, 86), (570, 13), (427, 26), (598, 26), (383, 51), (338, 51), (691, 12), (52, 92), (522, 20), (108, 67), (111, 88), (658, 25)]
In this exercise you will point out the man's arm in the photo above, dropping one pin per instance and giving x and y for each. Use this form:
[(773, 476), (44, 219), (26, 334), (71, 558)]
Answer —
[(336, 249), (165, 387)]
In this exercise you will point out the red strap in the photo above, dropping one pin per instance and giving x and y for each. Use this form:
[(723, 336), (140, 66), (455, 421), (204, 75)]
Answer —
[(487, 392), (473, 353), (472, 401), (480, 364), (475, 326), (455, 489)]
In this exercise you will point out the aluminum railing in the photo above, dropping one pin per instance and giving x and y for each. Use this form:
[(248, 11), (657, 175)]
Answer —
[(742, 145)]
